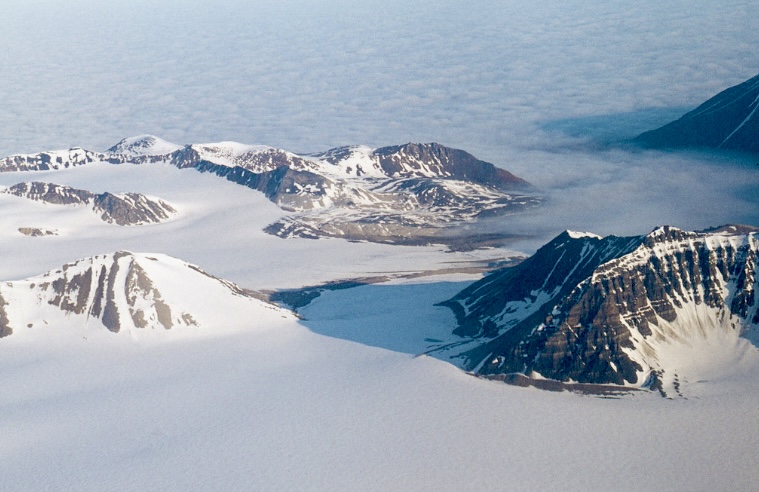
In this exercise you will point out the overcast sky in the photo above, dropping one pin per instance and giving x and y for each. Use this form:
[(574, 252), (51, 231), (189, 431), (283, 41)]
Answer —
[(495, 78)]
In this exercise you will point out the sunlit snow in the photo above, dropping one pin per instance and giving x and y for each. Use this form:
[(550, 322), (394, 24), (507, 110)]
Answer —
[(342, 398)]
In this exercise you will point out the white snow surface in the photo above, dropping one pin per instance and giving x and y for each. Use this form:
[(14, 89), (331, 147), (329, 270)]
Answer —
[(360, 159), (338, 400), (144, 145), (293, 407), (227, 153), (580, 235)]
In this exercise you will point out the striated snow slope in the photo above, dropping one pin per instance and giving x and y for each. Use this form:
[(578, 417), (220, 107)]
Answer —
[(133, 294)]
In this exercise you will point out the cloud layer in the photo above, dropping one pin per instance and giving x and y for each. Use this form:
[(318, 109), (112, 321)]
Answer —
[(310, 75), (487, 76), (629, 193)]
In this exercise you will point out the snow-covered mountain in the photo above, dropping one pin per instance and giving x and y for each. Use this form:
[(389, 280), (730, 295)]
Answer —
[(407, 194), (144, 145), (132, 293), (122, 209), (729, 120), (639, 311), (56, 159), (419, 161)]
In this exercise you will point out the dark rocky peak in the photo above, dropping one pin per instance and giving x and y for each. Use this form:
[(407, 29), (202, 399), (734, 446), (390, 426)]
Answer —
[(435, 160), (185, 157), (729, 120), (500, 301), (131, 209)]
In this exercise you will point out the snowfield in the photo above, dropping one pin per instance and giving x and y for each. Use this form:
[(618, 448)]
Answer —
[(338, 400), (218, 226), (288, 408), (242, 395)]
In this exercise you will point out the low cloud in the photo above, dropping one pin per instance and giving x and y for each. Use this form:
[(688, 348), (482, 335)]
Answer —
[(309, 76), (628, 192), (512, 84)]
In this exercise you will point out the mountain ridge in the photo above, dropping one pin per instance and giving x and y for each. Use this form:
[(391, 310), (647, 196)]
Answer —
[(610, 310), (123, 209), (413, 194)]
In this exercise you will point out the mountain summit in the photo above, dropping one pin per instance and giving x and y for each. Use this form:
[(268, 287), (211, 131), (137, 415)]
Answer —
[(729, 120), (130, 293)]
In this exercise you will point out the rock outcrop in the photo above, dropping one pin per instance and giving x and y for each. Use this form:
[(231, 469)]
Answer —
[(608, 310), (37, 232), (121, 209)]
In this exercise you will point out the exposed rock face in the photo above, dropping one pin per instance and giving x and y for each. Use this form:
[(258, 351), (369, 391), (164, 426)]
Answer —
[(37, 232), (729, 120), (51, 193), (122, 209), (595, 310), (290, 189), (126, 292), (409, 194), (420, 160), (52, 160), (131, 208), (102, 287), (5, 328), (405, 194), (258, 159)]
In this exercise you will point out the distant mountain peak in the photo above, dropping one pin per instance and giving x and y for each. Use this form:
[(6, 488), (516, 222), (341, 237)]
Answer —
[(144, 145), (729, 121), (668, 233), (433, 159)]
